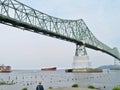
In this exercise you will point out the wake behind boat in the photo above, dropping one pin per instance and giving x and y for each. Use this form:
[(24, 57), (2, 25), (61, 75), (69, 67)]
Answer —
[(48, 69)]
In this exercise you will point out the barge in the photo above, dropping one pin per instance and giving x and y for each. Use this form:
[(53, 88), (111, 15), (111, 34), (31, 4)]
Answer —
[(84, 70)]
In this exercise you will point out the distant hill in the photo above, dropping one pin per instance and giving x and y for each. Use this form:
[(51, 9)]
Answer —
[(109, 66)]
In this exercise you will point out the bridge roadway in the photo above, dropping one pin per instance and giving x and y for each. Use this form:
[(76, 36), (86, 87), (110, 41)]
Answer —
[(17, 14)]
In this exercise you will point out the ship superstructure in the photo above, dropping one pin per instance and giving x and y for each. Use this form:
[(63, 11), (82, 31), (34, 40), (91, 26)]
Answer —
[(4, 68)]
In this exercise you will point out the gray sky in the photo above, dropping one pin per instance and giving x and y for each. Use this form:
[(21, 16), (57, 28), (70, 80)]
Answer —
[(27, 50)]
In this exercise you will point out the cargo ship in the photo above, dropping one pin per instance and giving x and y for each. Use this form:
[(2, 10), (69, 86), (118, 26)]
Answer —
[(5, 68), (48, 69)]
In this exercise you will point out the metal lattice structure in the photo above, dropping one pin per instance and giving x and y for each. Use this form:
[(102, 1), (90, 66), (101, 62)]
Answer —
[(19, 15)]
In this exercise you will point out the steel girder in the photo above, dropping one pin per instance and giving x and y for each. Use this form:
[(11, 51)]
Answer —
[(19, 15), (80, 50)]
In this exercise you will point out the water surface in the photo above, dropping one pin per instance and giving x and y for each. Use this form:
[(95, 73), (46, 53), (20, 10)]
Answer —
[(30, 78)]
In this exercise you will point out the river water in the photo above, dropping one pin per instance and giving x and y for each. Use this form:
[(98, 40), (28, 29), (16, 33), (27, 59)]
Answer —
[(30, 78)]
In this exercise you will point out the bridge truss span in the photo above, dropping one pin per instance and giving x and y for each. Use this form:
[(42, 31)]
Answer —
[(17, 14)]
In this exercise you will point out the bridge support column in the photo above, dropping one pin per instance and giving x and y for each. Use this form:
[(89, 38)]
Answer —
[(81, 59)]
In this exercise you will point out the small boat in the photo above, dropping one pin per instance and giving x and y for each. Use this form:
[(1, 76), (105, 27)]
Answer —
[(5, 68), (48, 69)]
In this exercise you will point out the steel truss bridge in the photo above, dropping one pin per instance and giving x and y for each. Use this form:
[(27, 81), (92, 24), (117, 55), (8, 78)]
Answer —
[(17, 14)]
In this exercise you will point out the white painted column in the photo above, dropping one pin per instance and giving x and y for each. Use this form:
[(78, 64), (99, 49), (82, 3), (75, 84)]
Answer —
[(81, 62)]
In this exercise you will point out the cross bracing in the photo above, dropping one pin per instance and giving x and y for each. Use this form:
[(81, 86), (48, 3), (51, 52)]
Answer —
[(17, 14)]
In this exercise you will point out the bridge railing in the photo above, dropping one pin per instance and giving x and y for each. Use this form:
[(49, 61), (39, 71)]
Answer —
[(75, 30)]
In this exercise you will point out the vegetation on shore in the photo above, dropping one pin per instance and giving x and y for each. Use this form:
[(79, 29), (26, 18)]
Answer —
[(91, 87), (75, 85), (50, 87), (24, 88), (116, 88), (5, 83)]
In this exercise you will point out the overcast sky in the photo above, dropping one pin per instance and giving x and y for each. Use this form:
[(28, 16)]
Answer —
[(28, 50)]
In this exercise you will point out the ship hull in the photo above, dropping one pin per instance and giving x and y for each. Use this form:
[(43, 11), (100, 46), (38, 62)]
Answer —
[(48, 69), (5, 71)]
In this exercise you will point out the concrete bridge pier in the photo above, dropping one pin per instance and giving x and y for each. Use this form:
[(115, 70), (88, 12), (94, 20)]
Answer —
[(81, 59), (81, 62)]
